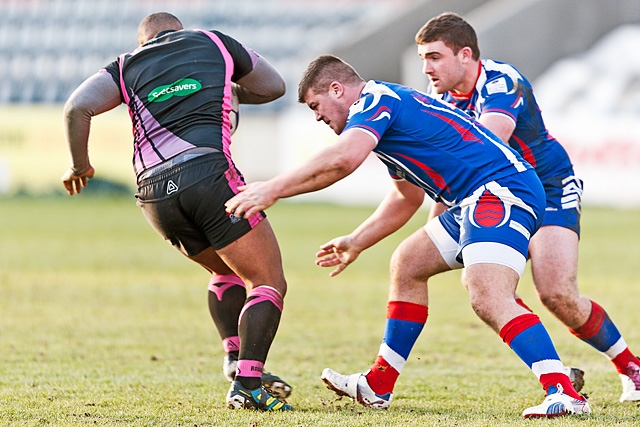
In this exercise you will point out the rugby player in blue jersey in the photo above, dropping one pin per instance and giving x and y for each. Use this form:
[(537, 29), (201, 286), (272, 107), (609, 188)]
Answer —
[(501, 98), (177, 85), (495, 204)]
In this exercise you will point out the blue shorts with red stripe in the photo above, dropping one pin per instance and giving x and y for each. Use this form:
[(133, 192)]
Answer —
[(508, 210)]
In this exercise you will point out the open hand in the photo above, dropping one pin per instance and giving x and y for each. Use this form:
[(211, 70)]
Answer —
[(339, 252)]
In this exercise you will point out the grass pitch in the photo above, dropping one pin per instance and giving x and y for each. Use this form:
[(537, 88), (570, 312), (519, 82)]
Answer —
[(103, 323)]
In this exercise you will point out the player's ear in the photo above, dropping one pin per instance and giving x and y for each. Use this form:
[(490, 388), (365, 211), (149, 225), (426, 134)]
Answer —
[(466, 53), (336, 88)]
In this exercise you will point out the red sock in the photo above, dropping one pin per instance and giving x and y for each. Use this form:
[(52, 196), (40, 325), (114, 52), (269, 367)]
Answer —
[(593, 324), (405, 321), (555, 378), (520, 333), (622, 360), (382, 377), (521, 303), (600, 332)]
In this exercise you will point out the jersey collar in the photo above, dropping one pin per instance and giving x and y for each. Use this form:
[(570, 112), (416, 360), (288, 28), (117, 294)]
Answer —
[(463, 96)]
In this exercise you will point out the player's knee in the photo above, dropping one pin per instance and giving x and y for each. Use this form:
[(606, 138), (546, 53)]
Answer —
[(483, 310), (559, 289), (407, 271), (555, 279), (556, 300), (277, 283), (479, 299)]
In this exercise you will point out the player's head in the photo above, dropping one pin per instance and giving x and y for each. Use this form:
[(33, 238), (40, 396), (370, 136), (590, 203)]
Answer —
[(156, 23), (452, 30), (329, 86), (447, 44)]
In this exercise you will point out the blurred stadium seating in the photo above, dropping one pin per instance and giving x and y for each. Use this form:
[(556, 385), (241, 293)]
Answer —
[(584, 71), (48, 47), (606, 78)]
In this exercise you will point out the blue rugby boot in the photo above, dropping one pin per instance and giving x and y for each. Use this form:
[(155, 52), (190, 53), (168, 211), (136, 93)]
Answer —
[(239, 397)]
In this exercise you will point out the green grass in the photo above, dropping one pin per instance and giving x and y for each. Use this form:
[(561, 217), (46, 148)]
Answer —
[(102, 323)]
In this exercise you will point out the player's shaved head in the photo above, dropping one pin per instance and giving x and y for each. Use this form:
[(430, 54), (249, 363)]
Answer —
[(156, 23), (452, 30), (324, 70)]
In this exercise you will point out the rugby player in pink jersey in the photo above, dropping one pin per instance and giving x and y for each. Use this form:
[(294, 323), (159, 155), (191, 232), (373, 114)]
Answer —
[(177, 85)]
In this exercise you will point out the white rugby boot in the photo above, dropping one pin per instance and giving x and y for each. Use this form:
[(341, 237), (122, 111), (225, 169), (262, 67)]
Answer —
[(356, 387), (630, 383), (557, 404)]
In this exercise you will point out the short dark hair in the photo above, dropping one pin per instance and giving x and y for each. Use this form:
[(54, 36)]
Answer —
[(452, 30), (322, 71), (160, 18), (157, 22)]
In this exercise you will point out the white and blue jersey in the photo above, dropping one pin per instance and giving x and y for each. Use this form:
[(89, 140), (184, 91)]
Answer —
[(429, 143), (501, 89), (493, 194)]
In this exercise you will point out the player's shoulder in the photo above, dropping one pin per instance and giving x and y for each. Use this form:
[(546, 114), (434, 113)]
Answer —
[(211, 34), (374, 93), (378, 88), (494, 69), (499, 77)]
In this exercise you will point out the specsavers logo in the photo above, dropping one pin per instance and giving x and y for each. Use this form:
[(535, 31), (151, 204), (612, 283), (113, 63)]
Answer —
[(182, 87)]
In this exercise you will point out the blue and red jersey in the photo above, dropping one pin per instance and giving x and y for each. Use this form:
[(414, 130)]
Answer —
[(430, 143), (501, 89)]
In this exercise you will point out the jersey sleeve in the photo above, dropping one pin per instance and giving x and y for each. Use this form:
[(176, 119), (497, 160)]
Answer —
[(113, 69), (503, 96), (374, 112), (244, 58)]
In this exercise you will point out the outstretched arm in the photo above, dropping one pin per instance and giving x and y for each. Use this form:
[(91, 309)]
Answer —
[(97, 94), (399, 205), (325, 168)]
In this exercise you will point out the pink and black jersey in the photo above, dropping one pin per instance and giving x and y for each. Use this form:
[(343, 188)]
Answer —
[(178, 90), (430, 143), (501, 89)]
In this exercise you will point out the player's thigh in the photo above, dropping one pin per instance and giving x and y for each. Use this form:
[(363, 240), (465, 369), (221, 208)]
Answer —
[(211, 261), (553, 252), (246, 246), (417, 258), (491, 290), (490, 262), (444, 233), (256, 258), (170, 222), (185, 205), (204, 205)]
